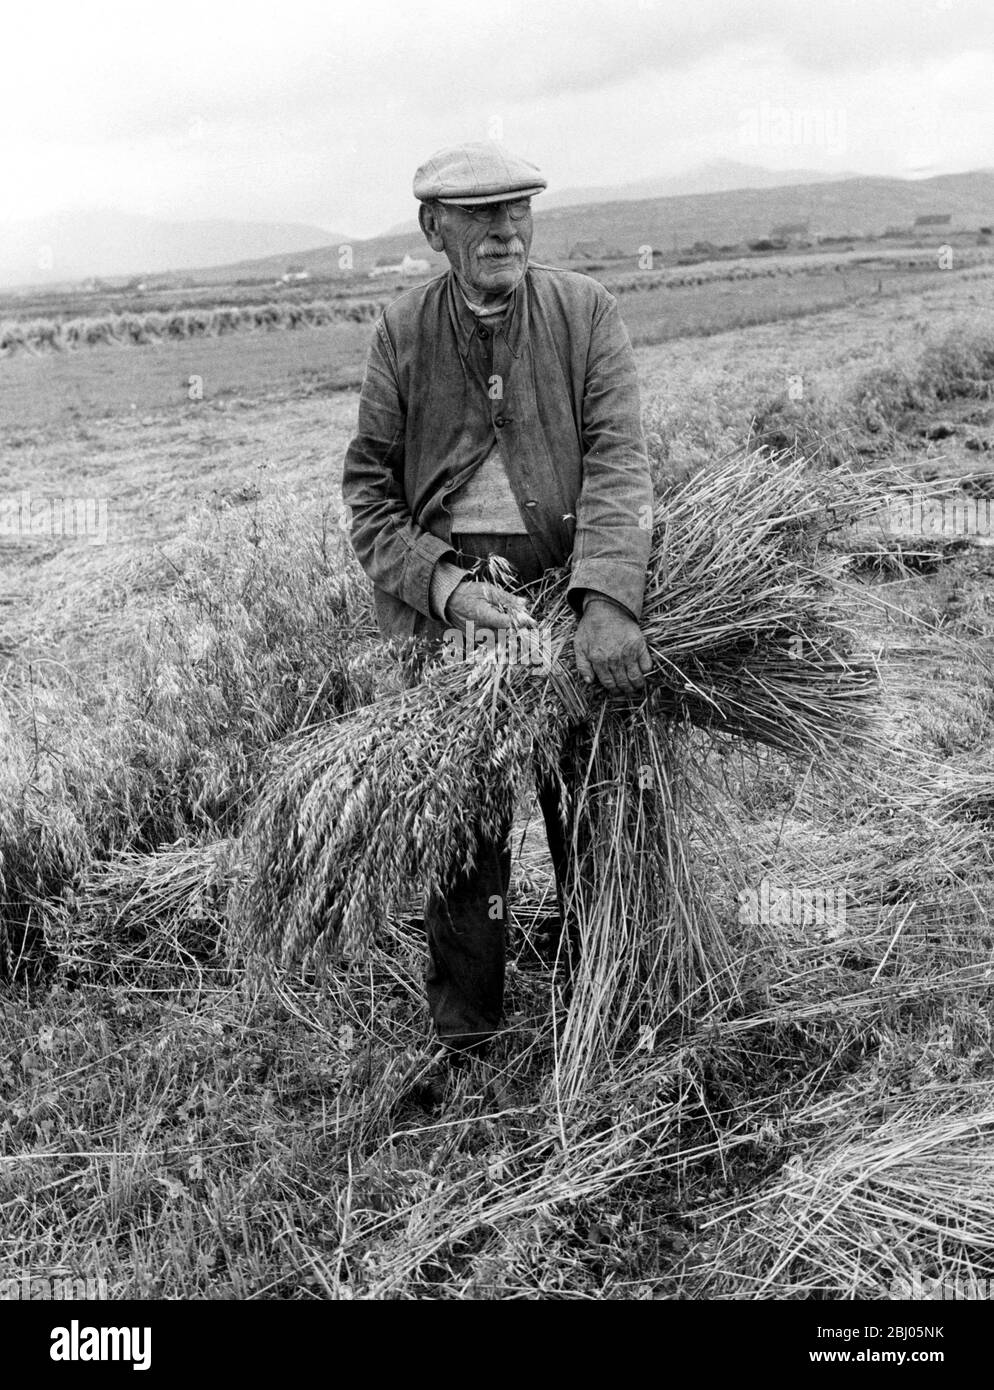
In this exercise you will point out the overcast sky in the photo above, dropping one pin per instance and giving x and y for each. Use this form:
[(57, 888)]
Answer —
[(320, 112)]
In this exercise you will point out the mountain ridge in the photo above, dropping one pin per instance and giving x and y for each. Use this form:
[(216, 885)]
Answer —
[(106, 242), (713, 176), (862, 205)]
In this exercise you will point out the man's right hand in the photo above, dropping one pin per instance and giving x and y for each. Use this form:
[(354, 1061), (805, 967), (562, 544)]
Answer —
[(487, 605)]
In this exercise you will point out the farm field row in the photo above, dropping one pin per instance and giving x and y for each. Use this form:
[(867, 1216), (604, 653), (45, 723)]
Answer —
[(177, 1132), (120, 425), (54, 389), (617, 275)]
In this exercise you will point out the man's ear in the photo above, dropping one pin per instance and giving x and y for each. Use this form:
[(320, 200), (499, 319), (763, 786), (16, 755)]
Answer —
[(430, 221)]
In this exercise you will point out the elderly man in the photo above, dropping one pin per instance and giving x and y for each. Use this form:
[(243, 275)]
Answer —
[(499, 416)]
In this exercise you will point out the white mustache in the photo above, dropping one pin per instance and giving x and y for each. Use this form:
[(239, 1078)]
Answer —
[(514, 247)]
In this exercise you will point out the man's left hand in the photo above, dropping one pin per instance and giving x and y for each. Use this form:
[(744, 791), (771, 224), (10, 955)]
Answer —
[(610, 648)]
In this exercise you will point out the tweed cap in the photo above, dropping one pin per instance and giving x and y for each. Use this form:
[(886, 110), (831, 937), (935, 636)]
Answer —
[(480, 172)]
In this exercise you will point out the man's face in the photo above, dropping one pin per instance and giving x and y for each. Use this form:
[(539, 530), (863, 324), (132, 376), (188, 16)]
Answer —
[(487, 248)]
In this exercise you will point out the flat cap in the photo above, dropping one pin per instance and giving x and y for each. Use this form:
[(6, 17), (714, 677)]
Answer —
[(480, 172)]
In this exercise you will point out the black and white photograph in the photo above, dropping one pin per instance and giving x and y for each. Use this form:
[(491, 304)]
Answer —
[(496, 684)]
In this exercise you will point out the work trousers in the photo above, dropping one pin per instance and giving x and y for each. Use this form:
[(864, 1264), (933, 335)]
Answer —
[(467, 924)]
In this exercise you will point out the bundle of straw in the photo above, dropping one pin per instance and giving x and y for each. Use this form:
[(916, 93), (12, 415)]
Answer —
[(748, 641), (652, 946), (869, 1203), (134, 910)]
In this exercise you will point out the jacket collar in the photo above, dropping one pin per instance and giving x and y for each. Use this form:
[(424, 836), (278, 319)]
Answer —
[(514, 328)]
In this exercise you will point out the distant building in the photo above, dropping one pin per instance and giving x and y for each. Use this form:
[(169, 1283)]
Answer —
[(790, 232), (934, 219), (410, 265), (294, 273)]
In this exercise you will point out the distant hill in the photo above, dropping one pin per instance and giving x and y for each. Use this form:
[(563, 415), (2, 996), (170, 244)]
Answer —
[(410, 227), (860, 206), (716, 176), (713, 177), (74, 246), (856, 206), (220, 252)]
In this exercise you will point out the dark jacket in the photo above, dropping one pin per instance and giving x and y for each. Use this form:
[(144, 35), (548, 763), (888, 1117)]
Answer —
[(556, 385)]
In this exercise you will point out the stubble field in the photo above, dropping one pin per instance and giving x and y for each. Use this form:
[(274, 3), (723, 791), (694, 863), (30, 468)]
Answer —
[(176, 1129)]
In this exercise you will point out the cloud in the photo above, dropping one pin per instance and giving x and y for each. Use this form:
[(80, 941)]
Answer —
[(320, 111), (106, 69)]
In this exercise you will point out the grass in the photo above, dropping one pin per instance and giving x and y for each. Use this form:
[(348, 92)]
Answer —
[(265, 627), (144, 390), (816, 1127), (858, 1213)]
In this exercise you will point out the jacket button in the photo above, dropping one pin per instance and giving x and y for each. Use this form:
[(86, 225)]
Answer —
[(484, 333), (531, 502), (500, 422)]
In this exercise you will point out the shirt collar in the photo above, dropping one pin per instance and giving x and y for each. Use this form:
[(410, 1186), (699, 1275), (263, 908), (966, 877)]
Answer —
[(486, 311), (514, 325)]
